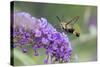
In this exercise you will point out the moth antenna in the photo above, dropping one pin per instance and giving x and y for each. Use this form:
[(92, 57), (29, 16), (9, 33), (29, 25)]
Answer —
[(58, 18), (75, 19)]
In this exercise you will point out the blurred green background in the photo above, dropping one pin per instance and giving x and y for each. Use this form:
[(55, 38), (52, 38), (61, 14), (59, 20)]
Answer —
[(84, 47)]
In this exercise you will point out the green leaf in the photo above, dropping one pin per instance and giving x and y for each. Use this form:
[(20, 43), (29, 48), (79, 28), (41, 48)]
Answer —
[(26, 60)]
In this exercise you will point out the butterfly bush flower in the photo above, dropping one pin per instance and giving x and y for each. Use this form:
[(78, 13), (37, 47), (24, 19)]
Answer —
[(40, 34)]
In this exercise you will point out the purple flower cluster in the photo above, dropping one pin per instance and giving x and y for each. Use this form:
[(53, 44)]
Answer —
[(38, 33)]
